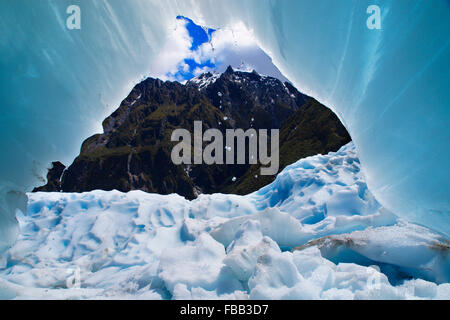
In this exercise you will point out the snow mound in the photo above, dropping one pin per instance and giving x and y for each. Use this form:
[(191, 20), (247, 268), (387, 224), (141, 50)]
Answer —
[(315, 233)]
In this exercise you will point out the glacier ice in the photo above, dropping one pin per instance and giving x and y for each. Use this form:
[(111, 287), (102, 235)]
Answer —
[(389, 86), (412, 249), (112, 245)]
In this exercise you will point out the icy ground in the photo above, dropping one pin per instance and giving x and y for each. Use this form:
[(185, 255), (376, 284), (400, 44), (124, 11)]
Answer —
[(315, 233)]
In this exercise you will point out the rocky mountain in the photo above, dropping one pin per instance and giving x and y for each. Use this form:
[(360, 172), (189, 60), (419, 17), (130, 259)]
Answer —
[(134, 151)]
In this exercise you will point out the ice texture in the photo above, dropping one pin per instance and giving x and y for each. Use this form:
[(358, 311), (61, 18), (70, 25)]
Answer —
[(412, 249), (281, 242), (389, 86)]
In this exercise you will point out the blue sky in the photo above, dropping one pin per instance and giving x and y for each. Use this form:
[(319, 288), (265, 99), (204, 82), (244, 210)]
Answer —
[(199, 37), (199, 34), (192, 50)]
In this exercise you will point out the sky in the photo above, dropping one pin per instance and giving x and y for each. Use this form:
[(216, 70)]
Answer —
[(192, 50)]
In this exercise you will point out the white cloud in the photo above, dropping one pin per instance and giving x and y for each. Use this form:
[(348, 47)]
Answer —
[(176, 49), (235, 46), (199, 71)]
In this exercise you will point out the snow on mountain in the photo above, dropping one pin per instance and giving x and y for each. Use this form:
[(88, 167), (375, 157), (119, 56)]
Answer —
[(204, 80), (316, 232), (238, 76)]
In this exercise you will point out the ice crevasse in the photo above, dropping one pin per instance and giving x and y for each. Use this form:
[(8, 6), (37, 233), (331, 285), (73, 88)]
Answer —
[(388, 86)]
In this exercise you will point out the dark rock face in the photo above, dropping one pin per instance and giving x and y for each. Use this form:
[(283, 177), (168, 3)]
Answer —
[(54, 176), (134, 152), (244, 96)]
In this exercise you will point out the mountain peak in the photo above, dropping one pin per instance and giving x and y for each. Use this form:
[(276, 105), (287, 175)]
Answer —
[(229, 70), (134, 151)]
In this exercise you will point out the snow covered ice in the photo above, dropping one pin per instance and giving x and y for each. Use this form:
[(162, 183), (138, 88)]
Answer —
[(388, 86), (314, 233)]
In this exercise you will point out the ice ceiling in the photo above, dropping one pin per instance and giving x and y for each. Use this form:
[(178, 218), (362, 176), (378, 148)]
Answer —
[(390, 87)]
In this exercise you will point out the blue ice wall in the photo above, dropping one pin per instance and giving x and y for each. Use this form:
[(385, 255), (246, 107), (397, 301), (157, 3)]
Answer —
[(390, 86), (56, 84)]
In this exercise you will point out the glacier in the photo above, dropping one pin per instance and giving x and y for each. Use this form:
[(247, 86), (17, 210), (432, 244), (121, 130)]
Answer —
[(388, 86), (112, 245)]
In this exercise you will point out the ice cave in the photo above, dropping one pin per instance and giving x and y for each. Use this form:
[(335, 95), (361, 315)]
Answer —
[(388, 85)]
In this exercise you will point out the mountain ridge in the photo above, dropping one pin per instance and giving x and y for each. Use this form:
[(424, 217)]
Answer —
[(133, 152)]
